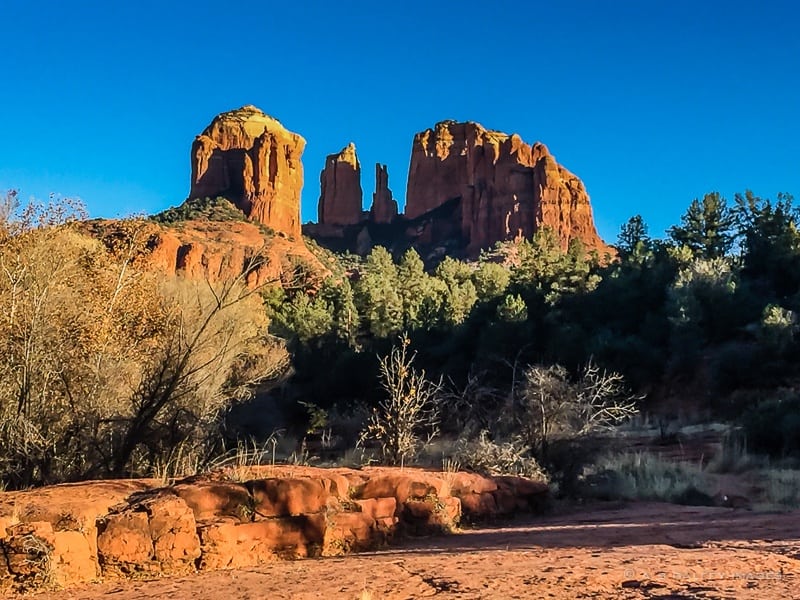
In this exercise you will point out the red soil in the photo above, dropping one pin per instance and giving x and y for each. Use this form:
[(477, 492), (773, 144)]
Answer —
[(641, 550)]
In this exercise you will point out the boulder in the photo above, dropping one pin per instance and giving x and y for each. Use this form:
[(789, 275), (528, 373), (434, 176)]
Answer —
[(155, 535), (62, 535), (28, 553), (124, 545), (173, 530), (515, 494), (462, 483), (336, 482), (74, 559), (405, 485), (214, 499), (476, 507), (399, 487), (59, 524), (378, 508), (278, 497), (431, 515), (228, 544), (349, 532)]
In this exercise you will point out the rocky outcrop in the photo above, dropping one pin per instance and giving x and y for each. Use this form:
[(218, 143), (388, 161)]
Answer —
[(384, 206), (214, 251), (242, 517), (340, 189), (49, 535), (507, 188), (252, 160)]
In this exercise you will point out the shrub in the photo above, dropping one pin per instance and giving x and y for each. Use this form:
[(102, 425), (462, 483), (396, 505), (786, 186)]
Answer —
[(783, 487), (111, 370), (486, 456), (551, 406), (209, 209), (772, 427), (778, 327), (644, 476), (408, 416), (734, 456)]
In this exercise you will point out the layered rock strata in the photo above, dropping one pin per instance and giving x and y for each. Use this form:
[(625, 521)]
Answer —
[(252, 160), (507, 188), (75, 533)]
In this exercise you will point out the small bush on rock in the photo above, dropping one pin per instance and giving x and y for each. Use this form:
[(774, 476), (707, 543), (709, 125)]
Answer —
[(211, 209)]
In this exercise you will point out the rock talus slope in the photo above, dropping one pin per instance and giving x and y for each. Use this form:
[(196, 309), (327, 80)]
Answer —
[(215, 251)]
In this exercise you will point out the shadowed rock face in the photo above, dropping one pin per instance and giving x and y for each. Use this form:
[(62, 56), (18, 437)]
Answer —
[(384, 206), (507, 188), (340, 189), (252, 160)]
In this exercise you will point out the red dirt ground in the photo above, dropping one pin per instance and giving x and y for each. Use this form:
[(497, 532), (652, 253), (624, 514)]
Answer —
[(642, 550)]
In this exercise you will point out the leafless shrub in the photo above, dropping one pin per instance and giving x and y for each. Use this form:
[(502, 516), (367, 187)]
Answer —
[(214, 348), (484, 455), (472, 407), (550, 406), (408, 417), (108, 368), (604, 400)]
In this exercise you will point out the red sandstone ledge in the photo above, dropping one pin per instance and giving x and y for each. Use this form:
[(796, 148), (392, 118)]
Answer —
[(73, 533)]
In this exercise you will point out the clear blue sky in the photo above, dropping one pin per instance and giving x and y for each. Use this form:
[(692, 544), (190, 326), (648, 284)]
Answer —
[(650, 102)]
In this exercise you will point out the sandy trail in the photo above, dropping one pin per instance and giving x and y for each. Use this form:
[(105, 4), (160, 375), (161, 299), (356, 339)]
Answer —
[(653, 551)]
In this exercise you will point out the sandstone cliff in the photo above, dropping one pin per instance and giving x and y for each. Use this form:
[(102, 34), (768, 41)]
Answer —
[(384, 206), (211, 250), (340, 189), (220, 251), (507, 188), (253, 161)]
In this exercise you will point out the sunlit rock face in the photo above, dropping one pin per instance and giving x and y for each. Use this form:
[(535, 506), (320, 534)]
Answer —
[(507, 188), (252, 160)]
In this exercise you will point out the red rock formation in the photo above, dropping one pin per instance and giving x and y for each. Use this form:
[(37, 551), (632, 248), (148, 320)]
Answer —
[(340, 189), (507, 188), (219, 251), (212, 250), (384, 206), (63, 522), (75, 533), (253, 161)]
